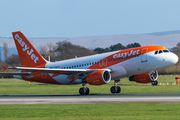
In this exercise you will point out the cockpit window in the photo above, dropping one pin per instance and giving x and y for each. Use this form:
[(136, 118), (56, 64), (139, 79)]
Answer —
[(160, 51), (165, 51), (156, 52)]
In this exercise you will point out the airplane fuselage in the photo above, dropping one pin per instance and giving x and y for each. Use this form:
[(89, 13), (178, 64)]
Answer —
[(123, 63)]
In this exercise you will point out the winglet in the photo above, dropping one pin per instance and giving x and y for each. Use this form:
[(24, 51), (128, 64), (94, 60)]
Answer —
[(4, 67)]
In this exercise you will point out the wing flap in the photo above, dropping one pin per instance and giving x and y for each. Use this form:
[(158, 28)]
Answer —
[(48, 70), (15, 73)]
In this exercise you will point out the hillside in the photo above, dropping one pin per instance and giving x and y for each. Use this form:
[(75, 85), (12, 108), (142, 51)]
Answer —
[(167, 39)]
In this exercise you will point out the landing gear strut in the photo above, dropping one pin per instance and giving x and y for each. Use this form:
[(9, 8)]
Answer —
[(115, 89), (84, 90)]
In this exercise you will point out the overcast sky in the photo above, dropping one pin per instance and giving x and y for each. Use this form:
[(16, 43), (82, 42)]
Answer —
[(81, 18)]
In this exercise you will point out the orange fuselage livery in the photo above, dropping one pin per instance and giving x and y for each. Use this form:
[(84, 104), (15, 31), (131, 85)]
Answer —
[(139, 64)]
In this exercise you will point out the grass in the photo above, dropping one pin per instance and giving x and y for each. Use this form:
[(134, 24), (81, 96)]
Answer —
[(114, 111), (15, 86), (105, 111)]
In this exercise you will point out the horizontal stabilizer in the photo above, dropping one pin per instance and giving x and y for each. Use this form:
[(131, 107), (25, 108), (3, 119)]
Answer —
[(4, 67)]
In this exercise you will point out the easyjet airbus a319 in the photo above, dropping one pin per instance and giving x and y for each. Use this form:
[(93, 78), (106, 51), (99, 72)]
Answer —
[(139, 64)]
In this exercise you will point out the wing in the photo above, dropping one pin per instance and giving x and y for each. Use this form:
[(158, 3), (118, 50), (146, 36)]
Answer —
[(54, 71)]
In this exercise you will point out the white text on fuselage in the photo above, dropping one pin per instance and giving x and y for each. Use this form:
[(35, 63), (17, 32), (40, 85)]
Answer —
[(26, 48), (125, 54)]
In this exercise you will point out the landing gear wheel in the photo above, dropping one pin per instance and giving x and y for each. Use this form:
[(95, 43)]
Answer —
[(84, 91), (154, 83), (87, 91), (81, 91), (118, 89), (113, 89)]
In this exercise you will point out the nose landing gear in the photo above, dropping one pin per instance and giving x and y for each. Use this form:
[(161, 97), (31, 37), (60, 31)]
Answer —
[(154, 82)]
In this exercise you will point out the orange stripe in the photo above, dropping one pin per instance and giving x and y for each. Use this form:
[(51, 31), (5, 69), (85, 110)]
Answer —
[(132, 52)]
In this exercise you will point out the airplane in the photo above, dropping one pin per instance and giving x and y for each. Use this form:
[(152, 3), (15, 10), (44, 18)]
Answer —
[(140, 64)]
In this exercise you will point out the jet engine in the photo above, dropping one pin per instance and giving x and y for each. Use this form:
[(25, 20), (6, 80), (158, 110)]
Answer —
[(98, 77), (145, 77)]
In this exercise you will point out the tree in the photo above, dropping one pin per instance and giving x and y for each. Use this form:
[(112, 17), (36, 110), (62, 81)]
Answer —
[(101, 50), (66, 50), (44, 51), (13, 60), (133, 45), (176, 49), (48, 50), (116, 47), (6, 50)]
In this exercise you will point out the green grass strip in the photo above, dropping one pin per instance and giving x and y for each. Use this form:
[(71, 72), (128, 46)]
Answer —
[(105, 111)]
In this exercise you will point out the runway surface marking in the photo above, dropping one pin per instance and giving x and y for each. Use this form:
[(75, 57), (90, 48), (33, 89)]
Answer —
[(92, 98)]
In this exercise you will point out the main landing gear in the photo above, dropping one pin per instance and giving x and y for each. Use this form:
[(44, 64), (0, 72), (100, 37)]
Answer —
[(115, 89), (84, 90), (154, 82)]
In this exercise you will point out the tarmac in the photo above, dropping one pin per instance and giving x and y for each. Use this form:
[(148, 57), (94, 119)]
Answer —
[(91, 98)]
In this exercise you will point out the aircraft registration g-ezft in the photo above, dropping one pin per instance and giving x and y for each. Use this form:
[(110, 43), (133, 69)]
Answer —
[(139, 64)]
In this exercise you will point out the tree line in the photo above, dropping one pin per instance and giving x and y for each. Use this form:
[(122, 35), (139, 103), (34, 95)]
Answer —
[(65, 50)]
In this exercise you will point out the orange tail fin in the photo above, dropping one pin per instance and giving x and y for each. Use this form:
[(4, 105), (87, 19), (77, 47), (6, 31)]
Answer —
[(28, 55)]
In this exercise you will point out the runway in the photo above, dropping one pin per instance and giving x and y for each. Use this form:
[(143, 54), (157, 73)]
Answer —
[(91, 98)]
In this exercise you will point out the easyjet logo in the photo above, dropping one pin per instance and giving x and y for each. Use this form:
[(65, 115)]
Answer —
[(26, 48), (125, 54)]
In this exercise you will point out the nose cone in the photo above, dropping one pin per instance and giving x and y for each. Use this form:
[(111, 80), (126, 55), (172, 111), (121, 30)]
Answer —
[(174, 58)]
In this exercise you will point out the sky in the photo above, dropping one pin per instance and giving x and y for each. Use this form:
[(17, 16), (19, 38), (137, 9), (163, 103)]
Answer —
[(84, 18)]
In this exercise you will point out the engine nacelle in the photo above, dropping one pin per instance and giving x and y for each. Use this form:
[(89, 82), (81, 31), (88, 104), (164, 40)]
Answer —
[(98, 77), (145, 77)]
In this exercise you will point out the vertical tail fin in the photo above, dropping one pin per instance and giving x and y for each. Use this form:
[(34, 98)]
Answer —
[(28, 55)]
